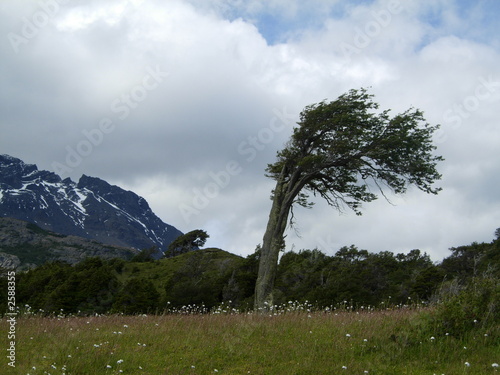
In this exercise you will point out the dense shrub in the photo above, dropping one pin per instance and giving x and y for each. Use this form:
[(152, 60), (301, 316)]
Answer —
[(475, 306), (137, 296), (464, 301)]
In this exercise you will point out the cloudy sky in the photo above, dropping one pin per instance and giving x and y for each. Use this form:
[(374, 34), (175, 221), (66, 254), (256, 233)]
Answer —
[(185, 102)]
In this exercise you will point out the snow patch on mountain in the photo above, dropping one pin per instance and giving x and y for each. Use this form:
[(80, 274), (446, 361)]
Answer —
[(91, 208)]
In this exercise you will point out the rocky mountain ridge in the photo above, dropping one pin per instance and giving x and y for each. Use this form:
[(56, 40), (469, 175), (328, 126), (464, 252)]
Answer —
[(90, 208)]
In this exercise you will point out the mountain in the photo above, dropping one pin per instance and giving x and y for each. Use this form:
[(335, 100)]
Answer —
[(91, 208), (25, 245)]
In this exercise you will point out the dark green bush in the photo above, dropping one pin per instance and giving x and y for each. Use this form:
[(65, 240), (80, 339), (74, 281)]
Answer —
[(475, 306), (137, 296)]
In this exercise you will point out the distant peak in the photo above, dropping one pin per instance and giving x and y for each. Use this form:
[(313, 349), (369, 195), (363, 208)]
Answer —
[(87, 181)]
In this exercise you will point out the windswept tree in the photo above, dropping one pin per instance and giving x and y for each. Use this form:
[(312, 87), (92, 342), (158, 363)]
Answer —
[(345, 152), (187, 242)]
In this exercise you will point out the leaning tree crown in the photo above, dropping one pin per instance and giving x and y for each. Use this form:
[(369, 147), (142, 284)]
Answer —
[(337, 150)]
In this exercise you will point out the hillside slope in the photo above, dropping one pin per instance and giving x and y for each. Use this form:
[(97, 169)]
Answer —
[(25, 245)]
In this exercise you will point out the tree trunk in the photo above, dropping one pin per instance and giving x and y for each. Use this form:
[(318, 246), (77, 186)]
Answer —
[(273, 242)]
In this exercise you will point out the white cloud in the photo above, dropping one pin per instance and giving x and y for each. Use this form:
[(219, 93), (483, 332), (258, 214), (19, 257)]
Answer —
[(230, 71)]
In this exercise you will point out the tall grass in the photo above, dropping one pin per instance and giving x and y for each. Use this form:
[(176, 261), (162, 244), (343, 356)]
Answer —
[(296, 341)]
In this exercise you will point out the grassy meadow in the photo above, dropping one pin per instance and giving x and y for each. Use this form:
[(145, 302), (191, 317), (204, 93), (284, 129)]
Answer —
[(224, 342)]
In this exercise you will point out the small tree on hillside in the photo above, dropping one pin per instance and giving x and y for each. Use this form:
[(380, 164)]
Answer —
[(187, 242), (337, 149), (146, 255)]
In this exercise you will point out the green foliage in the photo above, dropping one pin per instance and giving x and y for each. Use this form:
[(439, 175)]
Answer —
[(426, 282), (342, 145), (87, 287), (200, 280), (473, 260), (187, 242), (239, 289), (357, 276), (117, 264), (145, 255), (475, 306), (344, 152), (137, 296), (213, 276), (300, 275), (35, 286)]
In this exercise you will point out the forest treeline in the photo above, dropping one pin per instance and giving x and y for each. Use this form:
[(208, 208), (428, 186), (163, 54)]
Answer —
[(210, 277)]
